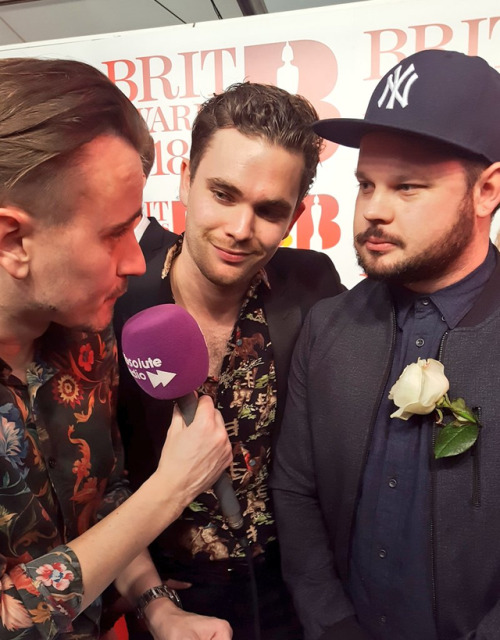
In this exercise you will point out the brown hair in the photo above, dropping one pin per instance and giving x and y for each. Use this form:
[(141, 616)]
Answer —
[(49, 109), (263, 111)]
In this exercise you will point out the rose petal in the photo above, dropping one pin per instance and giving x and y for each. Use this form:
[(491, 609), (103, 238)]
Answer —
[(408, 386), (434, 383)]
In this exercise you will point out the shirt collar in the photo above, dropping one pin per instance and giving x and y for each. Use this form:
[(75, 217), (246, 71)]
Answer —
[(454, 301)]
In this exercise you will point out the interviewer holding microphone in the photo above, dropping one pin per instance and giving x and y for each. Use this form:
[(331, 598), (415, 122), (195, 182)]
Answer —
[(73, 156)]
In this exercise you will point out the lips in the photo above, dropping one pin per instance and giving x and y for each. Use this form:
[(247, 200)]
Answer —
[(116, 293), (378, 244), (374, 239), (231, 255)]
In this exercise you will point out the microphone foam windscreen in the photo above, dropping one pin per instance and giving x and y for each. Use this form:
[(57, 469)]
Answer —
[(165, 351)]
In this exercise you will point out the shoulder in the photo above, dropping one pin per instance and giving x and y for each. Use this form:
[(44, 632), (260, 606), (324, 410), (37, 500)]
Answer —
[(156, 239), (366, 301), (304, 268), (297, 258)]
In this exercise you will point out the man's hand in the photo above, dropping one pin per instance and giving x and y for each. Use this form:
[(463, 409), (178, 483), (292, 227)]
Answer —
[(165, 621), (194, 457)]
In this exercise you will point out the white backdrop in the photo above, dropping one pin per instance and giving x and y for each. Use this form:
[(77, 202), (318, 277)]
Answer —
[(333, 55)]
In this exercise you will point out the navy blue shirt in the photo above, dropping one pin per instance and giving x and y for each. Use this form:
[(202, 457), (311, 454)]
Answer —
[(390, 571)]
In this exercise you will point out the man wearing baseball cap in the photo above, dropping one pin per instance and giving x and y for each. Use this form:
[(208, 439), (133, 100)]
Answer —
[(388, 506)]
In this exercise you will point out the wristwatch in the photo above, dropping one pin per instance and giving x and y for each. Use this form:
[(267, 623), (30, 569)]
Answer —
[(160, 591)]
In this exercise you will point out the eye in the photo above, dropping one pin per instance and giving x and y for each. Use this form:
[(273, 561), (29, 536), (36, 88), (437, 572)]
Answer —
[(116, 235), (272, 214), (222, 196), (364, 186), (407, 187)]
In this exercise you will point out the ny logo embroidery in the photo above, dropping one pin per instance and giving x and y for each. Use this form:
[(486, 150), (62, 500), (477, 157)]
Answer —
[(393, 87)]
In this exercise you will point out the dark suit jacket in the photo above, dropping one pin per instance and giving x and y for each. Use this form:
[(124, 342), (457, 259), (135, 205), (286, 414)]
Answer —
[(341, 365), (298, 279)]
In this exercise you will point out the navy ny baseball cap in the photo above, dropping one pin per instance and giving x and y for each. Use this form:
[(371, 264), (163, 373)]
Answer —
[(442, 95)]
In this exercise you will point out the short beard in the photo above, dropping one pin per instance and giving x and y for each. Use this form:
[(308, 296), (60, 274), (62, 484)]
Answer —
[(433, 261)]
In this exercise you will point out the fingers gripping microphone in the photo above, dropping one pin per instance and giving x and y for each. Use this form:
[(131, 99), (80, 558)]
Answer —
[(167, 356)]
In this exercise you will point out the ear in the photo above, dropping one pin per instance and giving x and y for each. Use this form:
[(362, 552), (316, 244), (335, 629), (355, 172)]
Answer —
[(185, 182), (15, 226), (487, 191), (296, 215)]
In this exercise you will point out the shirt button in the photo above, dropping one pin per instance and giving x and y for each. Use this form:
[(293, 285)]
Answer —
[(442, 318), (382, 553), (393, 482), (420, 342), (52, 463), (425, 301), (382, 619)]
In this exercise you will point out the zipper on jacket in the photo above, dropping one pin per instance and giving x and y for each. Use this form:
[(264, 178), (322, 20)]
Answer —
[(433, 504), (433, 508), (475, 454)]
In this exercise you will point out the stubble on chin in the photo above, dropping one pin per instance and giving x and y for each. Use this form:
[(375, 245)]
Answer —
[(429, 264)]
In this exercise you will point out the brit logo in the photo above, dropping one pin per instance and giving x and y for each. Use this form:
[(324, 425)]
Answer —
[(398, 87)]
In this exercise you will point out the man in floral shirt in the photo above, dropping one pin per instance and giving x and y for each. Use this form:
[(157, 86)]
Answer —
[(253, 159), (74, 154)]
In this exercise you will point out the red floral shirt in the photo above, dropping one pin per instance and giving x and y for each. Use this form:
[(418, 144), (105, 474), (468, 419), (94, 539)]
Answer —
[(60, 472)]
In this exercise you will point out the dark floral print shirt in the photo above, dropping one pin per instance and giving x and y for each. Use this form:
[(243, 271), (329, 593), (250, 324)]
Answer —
[(60, 472), (245, 393)]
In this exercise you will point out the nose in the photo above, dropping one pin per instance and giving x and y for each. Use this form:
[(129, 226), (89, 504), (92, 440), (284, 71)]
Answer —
[(375, 207), (240, 223), (131, 261)]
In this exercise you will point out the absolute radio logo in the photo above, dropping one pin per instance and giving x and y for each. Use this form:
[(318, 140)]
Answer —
[(149, 369)]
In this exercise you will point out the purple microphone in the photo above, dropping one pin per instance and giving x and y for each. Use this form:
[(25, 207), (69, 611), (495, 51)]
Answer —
[(165, 352)]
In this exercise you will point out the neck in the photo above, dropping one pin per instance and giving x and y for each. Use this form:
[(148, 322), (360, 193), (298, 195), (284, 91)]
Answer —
[(215, 309), (18, 332)]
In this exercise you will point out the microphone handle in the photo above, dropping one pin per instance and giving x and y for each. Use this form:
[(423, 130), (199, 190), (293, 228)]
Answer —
[(223, 487), (188, 405)]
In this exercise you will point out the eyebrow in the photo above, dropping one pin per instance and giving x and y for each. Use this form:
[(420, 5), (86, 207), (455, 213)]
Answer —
[(277, 204), (123, 225), (401, 177), (218, 183)]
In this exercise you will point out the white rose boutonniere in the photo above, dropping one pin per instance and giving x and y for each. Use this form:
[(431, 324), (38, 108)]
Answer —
[(423, 388), (418, 389)]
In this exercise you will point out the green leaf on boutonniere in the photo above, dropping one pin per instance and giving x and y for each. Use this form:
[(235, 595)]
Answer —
[(459, 403), (423, 388), (461, 411), (455, 438)]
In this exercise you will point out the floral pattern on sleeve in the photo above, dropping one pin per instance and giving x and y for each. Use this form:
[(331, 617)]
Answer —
[(60, 471)]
